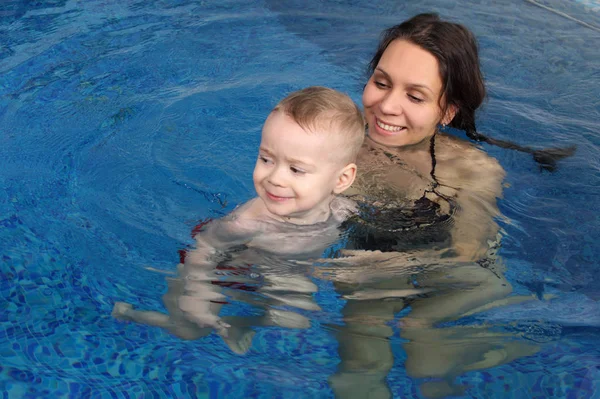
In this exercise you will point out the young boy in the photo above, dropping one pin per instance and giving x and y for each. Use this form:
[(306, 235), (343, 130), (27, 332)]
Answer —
[(306, 158)]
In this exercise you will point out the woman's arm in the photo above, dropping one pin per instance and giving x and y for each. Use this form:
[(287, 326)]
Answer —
[(477, 179)]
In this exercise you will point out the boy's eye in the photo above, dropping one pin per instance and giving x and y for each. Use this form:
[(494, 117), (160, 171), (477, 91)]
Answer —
[(264, 159), (297, 171)]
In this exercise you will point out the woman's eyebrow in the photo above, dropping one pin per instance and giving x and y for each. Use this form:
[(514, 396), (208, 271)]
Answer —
[(421, 87), (383, 72), (411, 85)]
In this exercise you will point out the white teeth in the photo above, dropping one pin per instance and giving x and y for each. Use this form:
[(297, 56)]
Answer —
[(389, 128)]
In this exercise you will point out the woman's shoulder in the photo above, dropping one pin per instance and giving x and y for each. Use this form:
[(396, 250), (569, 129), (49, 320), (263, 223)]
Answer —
[(464, 162), (452, 148)]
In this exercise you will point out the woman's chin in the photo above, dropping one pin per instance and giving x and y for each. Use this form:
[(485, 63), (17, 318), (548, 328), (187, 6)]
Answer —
[(390, 139), (401, 138)]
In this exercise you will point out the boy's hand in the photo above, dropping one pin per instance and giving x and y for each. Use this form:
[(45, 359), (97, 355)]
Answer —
[(201, 312)]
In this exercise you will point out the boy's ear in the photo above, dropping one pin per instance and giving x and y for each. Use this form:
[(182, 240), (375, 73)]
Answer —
[(345, 178)]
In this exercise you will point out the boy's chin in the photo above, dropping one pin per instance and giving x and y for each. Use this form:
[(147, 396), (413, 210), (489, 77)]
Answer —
[(277, 213)]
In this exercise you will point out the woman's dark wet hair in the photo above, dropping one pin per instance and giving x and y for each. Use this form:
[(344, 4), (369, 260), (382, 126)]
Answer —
[(455, 48)]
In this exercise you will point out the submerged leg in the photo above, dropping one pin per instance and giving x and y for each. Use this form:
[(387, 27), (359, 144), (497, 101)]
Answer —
[(239, 336), (180, 328), (447, 352), (365, 353), (240, 333), (124, 311)]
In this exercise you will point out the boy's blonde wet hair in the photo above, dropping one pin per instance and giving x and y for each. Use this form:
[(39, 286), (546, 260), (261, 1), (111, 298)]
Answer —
[(319, 109)]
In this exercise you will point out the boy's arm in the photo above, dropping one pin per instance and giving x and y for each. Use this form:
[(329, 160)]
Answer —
[(201, 298), (237, 228)]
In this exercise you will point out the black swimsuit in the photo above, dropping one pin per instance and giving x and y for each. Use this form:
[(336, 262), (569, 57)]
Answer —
[(403, 228)]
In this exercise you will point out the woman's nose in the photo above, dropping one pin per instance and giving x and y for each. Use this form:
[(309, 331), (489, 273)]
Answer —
[(391, 103)]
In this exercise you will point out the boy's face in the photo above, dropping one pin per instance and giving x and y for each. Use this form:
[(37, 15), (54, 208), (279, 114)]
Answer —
[(297, 173)]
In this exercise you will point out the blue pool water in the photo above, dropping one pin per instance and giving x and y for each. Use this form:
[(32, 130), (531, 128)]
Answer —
[(124, 123)]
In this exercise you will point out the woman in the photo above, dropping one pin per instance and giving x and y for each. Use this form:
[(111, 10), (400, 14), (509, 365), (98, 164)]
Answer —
[(425, 75), (429, 209)]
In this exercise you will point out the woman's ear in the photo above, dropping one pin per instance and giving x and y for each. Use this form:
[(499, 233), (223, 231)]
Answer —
[(449, 115), (345, 178)]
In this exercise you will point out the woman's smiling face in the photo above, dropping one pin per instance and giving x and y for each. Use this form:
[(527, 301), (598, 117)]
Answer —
[(402, 97)]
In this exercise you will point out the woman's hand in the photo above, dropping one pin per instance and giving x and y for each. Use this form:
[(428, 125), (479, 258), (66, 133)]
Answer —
[(358, 266)]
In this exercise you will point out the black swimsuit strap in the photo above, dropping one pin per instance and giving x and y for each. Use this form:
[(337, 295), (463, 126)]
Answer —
[(433, 162), (435, 183)]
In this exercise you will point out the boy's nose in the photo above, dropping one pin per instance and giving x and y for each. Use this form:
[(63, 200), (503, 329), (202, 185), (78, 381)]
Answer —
[(276, 177)]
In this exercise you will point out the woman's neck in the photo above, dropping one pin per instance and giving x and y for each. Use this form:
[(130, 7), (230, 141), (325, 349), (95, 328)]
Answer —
[(422, 146), (416, 156)]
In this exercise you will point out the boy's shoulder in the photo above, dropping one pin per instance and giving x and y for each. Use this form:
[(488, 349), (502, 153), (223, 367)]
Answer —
[(247, 220), (249, 225), (236, 228), (250, 210), (342, 208), (249, 217), (252, 215)]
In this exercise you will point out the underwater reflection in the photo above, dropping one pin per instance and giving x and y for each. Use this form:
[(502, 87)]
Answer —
[(417, 294), (265, 282), (430, 291)]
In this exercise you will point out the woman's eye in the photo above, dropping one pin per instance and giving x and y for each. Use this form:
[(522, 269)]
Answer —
[(297, 171), (380, 85), (415, 99)]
